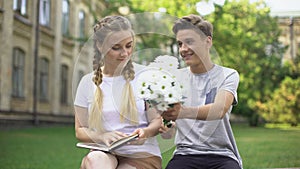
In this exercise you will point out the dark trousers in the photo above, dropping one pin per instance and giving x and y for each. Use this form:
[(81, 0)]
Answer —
[(202, 162)]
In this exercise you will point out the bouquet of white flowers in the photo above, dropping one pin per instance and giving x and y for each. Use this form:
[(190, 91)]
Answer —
[(157, 84)]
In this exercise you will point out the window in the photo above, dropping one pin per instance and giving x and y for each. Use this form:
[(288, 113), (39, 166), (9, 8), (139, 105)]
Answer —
[(81, 24), (64, 85), (80, 75), (44, 78), (45, 12), (298, 49), (1, 5), (20, 6), (65, 17), (18, 72)]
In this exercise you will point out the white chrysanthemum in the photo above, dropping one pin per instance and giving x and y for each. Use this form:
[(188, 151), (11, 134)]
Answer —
[(163, 83), (159, 66), (158, 84), (156, 95), (172, 96), (166, 76), (177, 86), (144, 93), (142, 83), (162, 106), (166, 62)]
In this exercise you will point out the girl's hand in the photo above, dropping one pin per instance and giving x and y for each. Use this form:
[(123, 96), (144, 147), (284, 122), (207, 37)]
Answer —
[(109, 137), (141, 139)]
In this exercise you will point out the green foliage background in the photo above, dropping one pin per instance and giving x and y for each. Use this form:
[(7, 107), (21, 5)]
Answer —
[(246, 38)]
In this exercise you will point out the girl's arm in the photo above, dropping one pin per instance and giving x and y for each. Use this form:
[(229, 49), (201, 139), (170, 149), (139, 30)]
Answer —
[(84, 134), (154, 124)]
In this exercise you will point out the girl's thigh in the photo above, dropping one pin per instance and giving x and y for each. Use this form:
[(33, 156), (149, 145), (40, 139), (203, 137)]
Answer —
[(152, 162)]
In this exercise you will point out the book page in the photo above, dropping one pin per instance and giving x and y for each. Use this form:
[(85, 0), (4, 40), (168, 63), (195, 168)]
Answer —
[(103, 147), (123, 141), (95, 146)]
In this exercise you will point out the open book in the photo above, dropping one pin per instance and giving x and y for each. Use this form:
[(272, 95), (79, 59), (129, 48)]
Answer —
[(103, 147)]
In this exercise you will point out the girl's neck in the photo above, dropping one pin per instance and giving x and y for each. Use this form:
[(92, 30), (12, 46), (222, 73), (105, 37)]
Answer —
[(110, 72)]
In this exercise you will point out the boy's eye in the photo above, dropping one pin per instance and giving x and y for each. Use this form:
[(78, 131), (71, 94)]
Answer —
[(179, 44), (189, 42)]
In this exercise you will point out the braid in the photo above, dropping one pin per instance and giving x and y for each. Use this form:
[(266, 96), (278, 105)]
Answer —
[(95, 117), (128, 72), (97, 57), (108, 25), (97, 79), (128, 106)]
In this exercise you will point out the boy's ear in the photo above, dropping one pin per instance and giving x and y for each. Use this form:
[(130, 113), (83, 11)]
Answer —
[(209, 40)]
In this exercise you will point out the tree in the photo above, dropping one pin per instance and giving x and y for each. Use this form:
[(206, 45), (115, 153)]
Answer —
[(284, 105), (143, 11), (246, 38), (153, 30)]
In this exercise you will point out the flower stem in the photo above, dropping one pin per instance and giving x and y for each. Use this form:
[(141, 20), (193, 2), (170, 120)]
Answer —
[(167, 123)]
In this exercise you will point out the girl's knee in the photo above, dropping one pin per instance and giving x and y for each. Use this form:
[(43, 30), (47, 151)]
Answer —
[(99, 158)]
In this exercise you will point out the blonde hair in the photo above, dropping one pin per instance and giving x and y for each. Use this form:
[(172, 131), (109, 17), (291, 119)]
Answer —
[(194, 22), (128, 108)]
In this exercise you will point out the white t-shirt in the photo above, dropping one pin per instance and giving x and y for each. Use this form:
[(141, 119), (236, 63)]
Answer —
[(112, 96), (207, 137)]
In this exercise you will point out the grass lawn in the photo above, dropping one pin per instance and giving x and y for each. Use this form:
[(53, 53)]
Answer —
[(54, 147), (268, 147)]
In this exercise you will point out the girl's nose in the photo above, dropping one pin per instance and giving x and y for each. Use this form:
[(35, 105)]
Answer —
[(125, 52)]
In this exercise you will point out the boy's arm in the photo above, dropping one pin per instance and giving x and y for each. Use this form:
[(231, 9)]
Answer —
[(213, 111)]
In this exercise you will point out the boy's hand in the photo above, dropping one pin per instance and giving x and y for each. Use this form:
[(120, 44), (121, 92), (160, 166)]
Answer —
[(172, 113), (167, 132)]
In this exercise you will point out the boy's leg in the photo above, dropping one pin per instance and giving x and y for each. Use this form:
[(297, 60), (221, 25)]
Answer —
[(186, 162)]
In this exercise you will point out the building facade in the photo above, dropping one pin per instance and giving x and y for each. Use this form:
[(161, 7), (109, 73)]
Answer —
[(289, 24), (290, 36), (39, 64), (43, 55)]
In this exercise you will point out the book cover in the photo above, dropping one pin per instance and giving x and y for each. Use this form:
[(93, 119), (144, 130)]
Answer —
[(103, 147)]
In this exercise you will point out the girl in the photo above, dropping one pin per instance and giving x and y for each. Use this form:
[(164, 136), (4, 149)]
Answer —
[(106, 108)]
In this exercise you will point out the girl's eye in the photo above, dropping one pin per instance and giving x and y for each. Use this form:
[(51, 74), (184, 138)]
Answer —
[(115, 48), (128, 46)]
